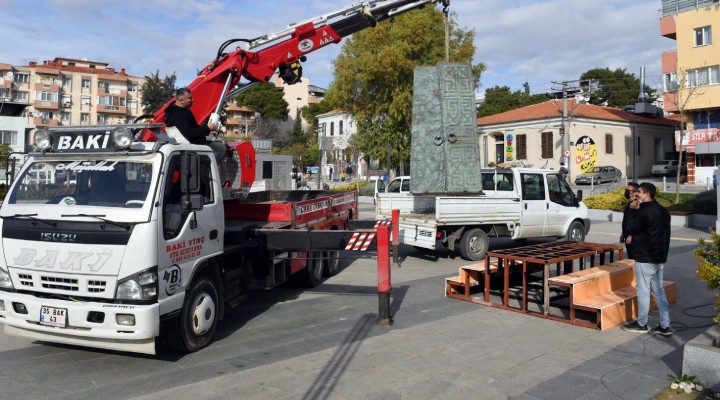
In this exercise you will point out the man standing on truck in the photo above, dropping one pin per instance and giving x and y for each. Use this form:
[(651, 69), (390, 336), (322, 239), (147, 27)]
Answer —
[(650, 236), (178, 115)]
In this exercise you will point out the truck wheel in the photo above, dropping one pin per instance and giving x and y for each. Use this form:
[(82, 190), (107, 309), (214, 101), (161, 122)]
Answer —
[(576, 232), (474, 244), (198, 318), (332, 263), (312, 274)]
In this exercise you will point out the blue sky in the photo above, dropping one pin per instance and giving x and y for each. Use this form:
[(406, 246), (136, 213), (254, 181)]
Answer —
[(534, 41)]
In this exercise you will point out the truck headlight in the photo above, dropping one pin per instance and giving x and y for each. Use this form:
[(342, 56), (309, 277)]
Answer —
[(140, 286), (5, 281)]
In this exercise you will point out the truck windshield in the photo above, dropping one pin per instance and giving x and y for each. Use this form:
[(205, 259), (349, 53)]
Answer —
[(101, 183)]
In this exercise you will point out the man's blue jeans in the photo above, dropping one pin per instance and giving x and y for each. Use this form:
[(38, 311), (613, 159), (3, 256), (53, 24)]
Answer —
[(646, 276)]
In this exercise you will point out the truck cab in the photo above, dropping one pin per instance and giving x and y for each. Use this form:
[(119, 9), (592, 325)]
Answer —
[(398, 187)]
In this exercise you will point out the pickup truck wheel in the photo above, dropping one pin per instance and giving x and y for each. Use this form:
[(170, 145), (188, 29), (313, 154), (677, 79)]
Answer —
[(576, 232), (198, 318), (312, 274), (474, 244), (332, 263)]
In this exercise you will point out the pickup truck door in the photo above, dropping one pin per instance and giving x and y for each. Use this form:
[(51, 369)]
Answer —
[(561, 207), (533, 205)]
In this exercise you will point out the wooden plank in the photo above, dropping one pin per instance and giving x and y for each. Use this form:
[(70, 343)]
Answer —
[(607, 299), (607, 283)]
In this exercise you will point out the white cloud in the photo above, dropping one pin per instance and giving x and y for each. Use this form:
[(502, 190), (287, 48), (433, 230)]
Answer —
[(538, 41)]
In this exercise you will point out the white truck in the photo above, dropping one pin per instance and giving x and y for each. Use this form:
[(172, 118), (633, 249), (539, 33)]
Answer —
[(518, 203), (110, 243), (112, 235)]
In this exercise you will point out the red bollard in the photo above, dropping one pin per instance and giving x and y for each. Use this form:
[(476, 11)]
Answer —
[(396, 238), (384, 285)]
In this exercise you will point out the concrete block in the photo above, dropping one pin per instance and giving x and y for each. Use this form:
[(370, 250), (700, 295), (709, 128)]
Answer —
[(701, 358)]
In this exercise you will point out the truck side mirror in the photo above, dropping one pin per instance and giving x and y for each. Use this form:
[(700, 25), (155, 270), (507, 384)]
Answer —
[(579, 196)]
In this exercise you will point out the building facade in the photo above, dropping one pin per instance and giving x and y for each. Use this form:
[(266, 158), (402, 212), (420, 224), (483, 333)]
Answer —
[(335, 128), (68, 91), (591, 136), (298, 96), (691, 77)]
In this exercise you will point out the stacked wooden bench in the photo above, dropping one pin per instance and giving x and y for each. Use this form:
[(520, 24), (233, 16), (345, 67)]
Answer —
[(608, 291), (469, 283)]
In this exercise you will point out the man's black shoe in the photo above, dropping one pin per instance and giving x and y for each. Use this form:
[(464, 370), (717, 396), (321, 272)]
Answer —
[(635, 327), (663, 331)]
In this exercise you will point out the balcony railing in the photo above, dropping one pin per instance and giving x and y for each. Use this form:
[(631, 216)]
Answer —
[(46, 105), (674, 7), (42, 122)]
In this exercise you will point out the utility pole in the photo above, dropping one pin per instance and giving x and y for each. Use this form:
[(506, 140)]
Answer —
[(569, 88), (565, 135)]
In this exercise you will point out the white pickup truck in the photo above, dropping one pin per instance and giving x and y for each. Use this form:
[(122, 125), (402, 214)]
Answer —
[(518, 203)]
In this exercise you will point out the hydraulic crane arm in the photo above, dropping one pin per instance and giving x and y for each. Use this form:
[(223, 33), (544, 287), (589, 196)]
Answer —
[(283, 51)]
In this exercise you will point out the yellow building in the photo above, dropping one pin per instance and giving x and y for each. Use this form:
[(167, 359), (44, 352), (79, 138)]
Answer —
[(691, 77), (68, 91)]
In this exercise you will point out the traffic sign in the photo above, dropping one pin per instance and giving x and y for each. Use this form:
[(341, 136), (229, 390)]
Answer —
[(567, 152)]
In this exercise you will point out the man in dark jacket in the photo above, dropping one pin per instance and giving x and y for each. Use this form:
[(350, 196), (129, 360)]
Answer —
[(178, 115), (650, 238), (631, 209)]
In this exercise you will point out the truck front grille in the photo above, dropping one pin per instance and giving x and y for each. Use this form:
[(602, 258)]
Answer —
[(43, 282), (51, 282)]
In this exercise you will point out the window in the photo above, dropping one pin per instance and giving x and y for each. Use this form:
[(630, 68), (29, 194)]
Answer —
[(104, 86), (670, 82), (132, 104), (608, 143), (67, 81), (521, 146), (703, 36), (532, 187), (8, 137), (132, 87), (559, 191), (103, 119), (111, 102), (332, 128), (86, 83), (85, 100), (66, 100), (703, 76), (85, 118), (22, 78), (46, 96), (65, 116), (546, 145), (340, 128), (19, 96)]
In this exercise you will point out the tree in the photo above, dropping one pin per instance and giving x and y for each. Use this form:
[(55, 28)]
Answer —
[(155, 92), (618, 88), (311, 111), (271, 109), (298, 136), (265, 99), (374, 76), (685, 90), (500, 99)]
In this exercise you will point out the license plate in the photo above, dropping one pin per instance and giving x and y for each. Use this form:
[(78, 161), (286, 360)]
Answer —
[(52, 316)]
